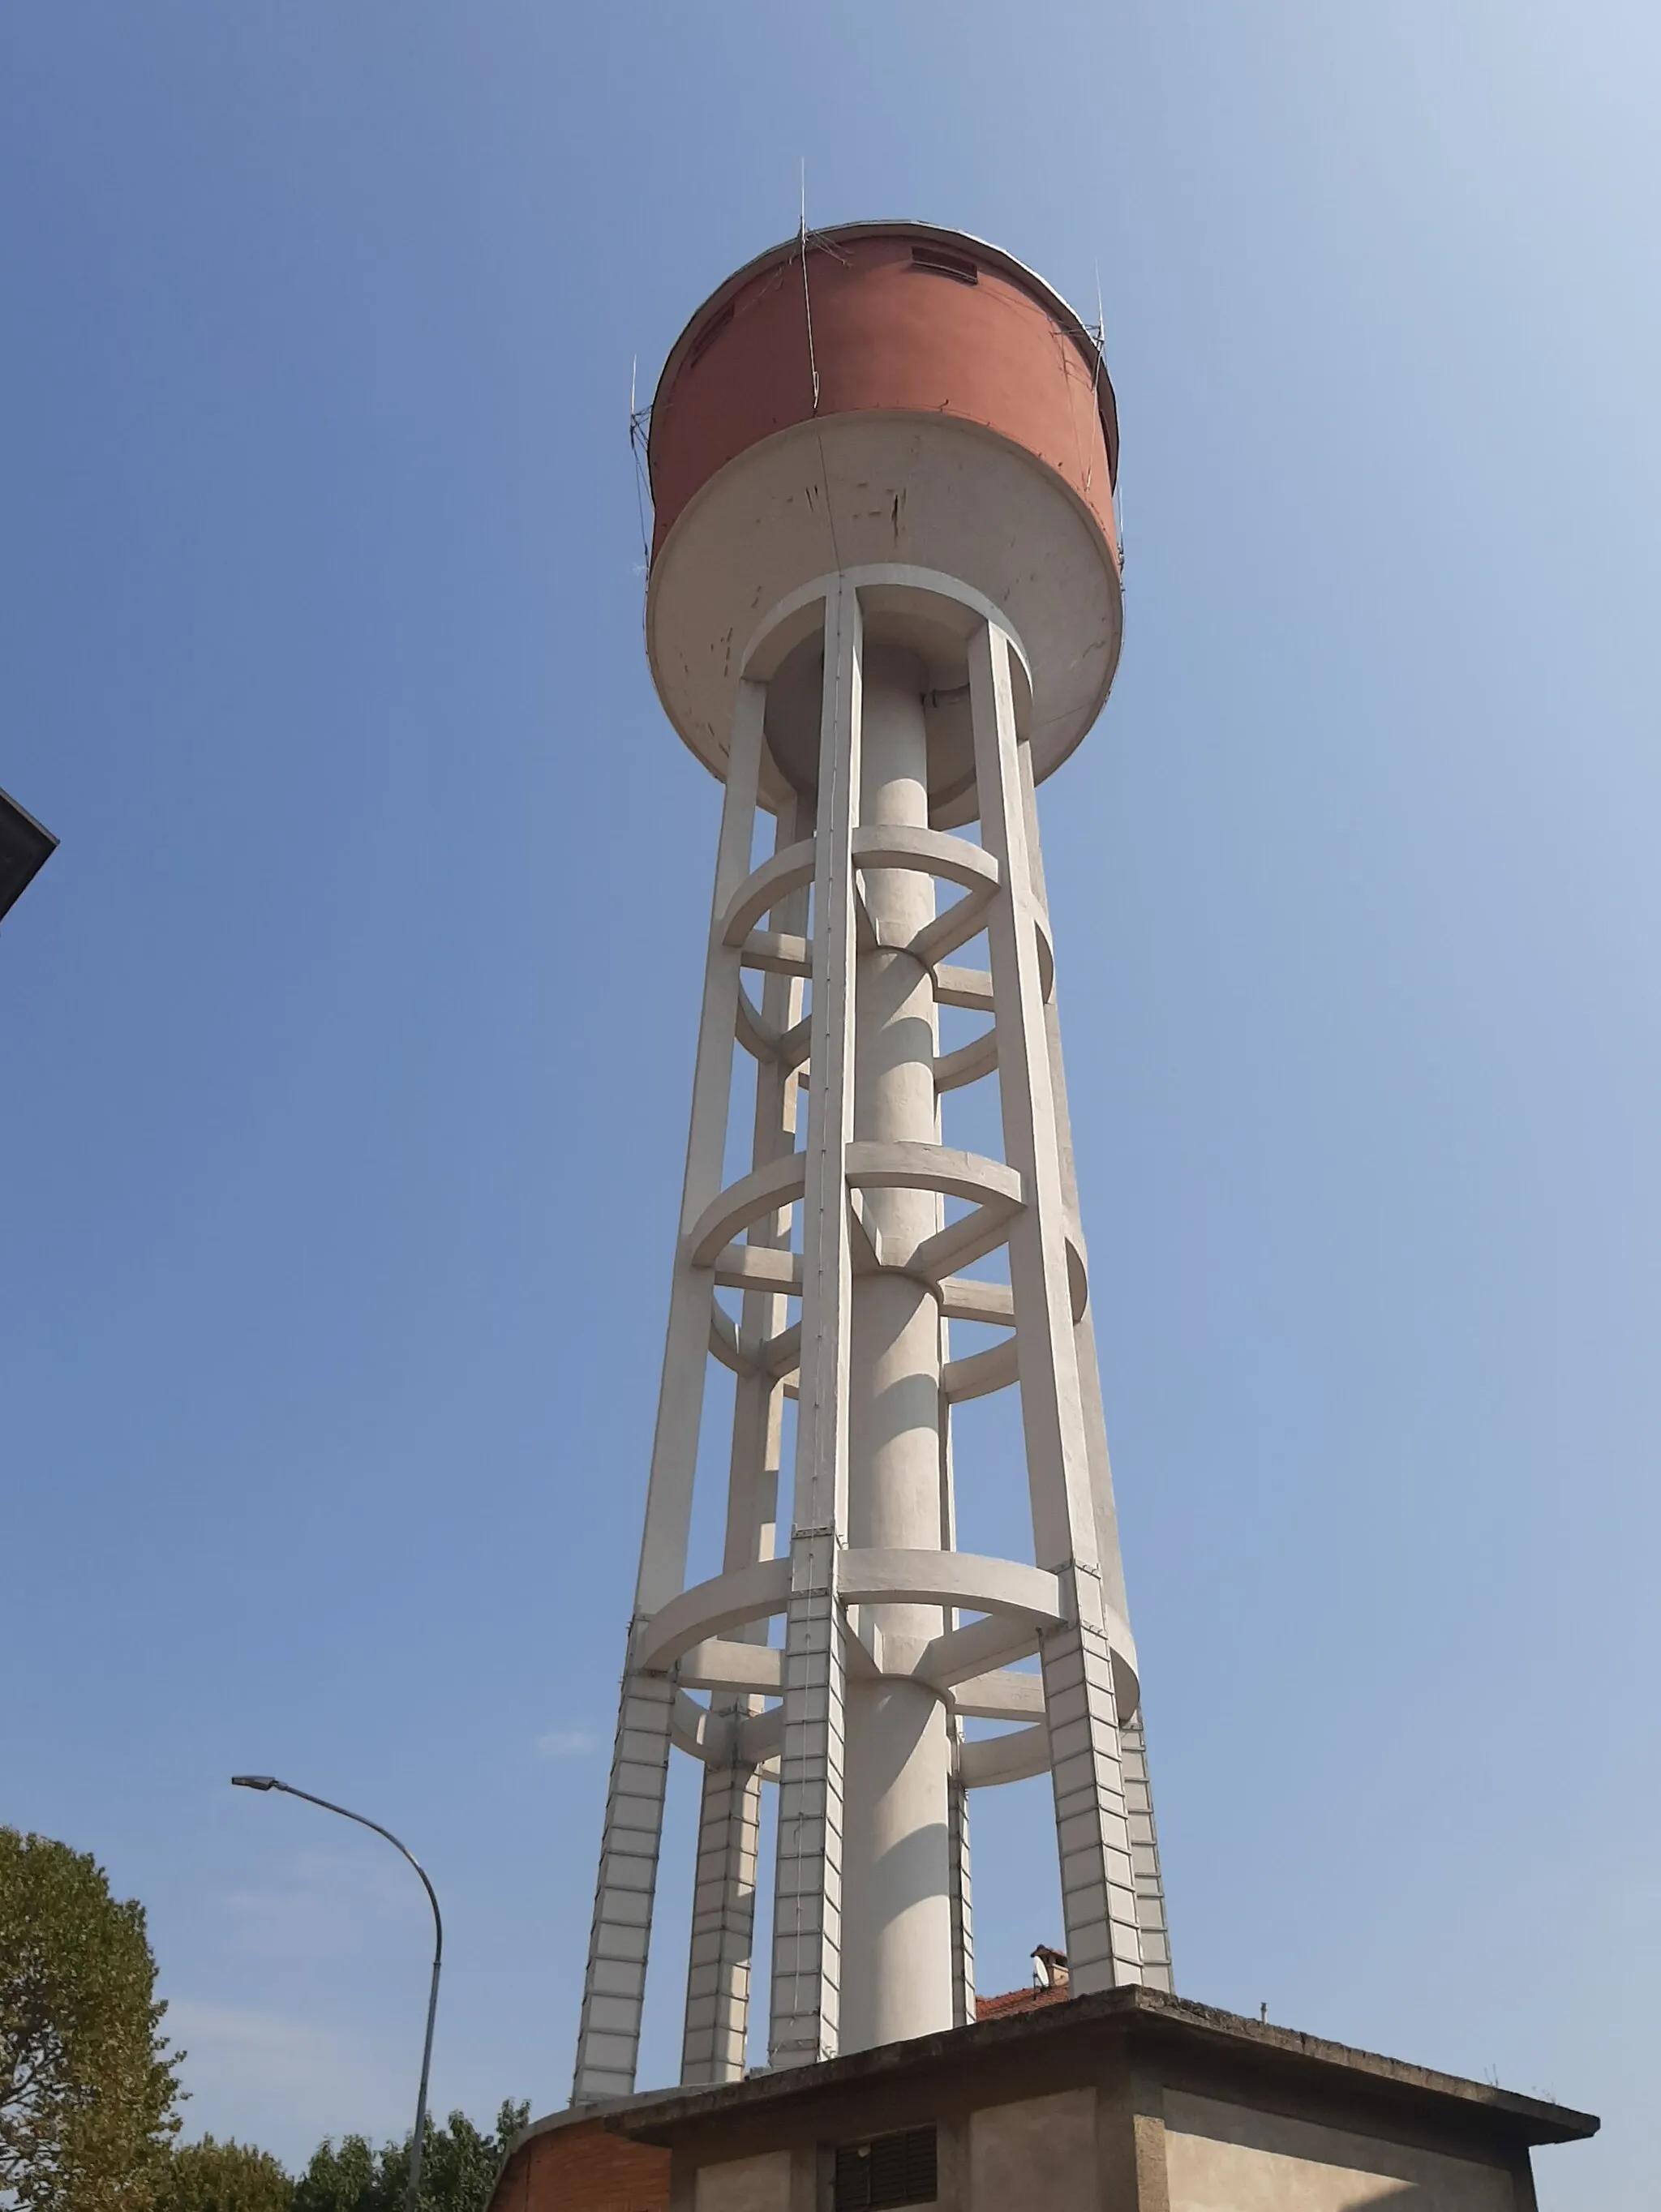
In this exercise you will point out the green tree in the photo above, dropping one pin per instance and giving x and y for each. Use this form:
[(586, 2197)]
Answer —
[(224, 2177), (459, 2167), (87, 2082), (347, 2179)]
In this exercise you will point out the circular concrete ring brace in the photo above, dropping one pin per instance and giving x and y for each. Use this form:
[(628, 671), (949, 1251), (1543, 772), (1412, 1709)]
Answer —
[(991, 1187), (962, 1579), (884, 587), (728, 1601), (1015, 1756), (969, 1063), (891, 593), (981, 1372), (915, 1166), (765, 1190), (934, 853), (967, 1580), (787, 871)]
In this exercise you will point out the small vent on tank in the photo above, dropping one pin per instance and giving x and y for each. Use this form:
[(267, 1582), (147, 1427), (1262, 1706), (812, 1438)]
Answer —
[(707, 336), (936, 261)]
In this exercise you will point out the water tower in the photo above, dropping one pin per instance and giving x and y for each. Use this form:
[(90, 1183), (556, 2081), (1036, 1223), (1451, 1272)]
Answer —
[(884, 607)]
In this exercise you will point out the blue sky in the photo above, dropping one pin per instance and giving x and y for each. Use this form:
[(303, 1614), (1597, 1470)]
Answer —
[(347, 1040)]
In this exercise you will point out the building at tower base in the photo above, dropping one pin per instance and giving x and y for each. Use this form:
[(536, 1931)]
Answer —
[(1130, 2100)]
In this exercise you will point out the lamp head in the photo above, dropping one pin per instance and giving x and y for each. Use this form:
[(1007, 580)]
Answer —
[(25, 849), (255, 1782)]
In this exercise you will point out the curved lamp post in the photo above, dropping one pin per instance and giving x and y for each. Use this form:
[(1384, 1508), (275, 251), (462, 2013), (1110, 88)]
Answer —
[(270, 1782)]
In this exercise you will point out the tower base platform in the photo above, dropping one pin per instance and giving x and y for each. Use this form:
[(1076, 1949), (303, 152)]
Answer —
[(1124, 2101)]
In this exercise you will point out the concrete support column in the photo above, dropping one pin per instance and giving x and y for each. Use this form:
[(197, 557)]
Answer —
[(714, 2046), (1148, 1877), (1098, 1900), (807, 1894), (898, 1864), (723, 1923), (1150, 1911), (872, 1936), (614, 1988)]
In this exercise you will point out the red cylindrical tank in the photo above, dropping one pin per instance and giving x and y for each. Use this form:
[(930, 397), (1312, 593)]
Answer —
[(897, 396), (902, 319)]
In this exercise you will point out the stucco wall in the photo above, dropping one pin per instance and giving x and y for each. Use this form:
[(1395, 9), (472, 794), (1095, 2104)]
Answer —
[(746, 2185), (1224, 2158), (1041, 2151)]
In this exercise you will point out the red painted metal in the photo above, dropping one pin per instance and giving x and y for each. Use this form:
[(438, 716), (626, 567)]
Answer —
[(904, 319)]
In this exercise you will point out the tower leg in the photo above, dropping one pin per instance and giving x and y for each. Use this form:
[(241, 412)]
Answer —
[(1098, 1900), (1145, 1858), (723, 1924), (614, 1988), (1139, 1795), (807, 1899), (714, 2044)]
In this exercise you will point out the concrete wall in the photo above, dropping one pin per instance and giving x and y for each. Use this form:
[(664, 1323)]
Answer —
[(1041, 2151), (1224, 2158), (1045, 2152), (1131, 2101), (745, 2185)]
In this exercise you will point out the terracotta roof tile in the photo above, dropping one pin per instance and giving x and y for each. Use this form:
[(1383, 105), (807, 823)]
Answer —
[(1018, 2001)]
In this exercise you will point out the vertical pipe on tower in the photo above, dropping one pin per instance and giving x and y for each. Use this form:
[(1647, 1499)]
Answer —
[(957, 1794)]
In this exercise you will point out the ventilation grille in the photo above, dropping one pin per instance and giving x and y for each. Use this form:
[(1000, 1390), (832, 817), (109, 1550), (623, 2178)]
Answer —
[(889, 2171), (936, 261)]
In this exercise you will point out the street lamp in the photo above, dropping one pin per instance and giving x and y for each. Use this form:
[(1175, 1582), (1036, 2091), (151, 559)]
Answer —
[(25, 849), (270, 1782)]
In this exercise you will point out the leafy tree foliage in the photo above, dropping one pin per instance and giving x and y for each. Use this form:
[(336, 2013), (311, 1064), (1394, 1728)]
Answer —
[(224, 2177), (459, 2168), (87, 2082)]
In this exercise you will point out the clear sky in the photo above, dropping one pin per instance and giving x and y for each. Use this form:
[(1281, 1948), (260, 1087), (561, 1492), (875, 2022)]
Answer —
[(347, 1041)]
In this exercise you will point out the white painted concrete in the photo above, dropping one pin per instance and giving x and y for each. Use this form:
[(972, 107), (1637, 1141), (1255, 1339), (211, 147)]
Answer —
[(797, 506), (897, 1909), (805, 2021), (1228, 2157), (836, 1239)]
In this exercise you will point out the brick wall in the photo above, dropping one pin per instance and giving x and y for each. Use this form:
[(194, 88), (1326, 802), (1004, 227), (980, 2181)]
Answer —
[(581, 2168)]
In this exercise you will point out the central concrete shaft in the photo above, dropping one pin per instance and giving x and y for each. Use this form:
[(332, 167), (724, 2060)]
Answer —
[(897, 1914)]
